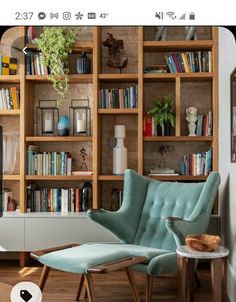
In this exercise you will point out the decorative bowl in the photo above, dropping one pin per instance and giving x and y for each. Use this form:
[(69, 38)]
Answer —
[(202, 242)]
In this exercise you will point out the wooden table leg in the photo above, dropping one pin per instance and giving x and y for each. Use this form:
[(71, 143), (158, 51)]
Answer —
[(90, 288), (149, 285), (132, 284), (219, 279), (186, 267), (43, 277)]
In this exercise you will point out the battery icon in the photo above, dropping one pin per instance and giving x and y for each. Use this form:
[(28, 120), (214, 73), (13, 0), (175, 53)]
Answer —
[(91, 15), (192, 16)]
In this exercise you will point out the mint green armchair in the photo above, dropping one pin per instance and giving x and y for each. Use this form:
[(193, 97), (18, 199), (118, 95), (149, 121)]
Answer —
[(159, 215), (153, 220)]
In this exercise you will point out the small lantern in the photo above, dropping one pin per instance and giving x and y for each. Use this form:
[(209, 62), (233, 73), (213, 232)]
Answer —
[(47, 118), (80, 117)]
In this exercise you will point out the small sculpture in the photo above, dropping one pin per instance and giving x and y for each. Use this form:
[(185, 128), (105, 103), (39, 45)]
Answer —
[(117, 55), (83, 156), (202, 242), (161, 33), (191, 33), (191, 118)]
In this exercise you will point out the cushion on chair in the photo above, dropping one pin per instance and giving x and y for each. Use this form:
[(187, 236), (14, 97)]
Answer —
[(165, 199), (79, 259)]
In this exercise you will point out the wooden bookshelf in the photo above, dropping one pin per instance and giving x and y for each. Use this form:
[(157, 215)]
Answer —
[(62, 139), (151, 46), (178, 138), (118, 111), (73, 78), (59, 177), (100, 77), (10, 112), (10, 79)]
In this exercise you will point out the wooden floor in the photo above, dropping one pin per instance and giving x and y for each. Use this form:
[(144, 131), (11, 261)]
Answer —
[(108, 288)]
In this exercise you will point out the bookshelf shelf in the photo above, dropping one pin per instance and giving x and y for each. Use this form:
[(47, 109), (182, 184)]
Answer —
[(125, 77), (178, 138), (110, 177), (9, 79), (118, 111), (59, 177), (196, 76), (152, 46), (62, 139), (179, 178), (10, 112), (78, 47), (73, 78), (11, 177)]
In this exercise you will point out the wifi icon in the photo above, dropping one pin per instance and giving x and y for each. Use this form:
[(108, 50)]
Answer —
[(171, 15)]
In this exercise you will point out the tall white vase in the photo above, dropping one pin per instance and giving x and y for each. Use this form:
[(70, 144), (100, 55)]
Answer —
[(119, 151)]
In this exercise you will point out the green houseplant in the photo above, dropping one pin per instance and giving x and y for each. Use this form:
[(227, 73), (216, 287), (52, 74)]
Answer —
[(56, 43), (163, 113)]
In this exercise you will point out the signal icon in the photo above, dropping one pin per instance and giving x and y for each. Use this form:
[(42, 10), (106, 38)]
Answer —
[(171, 15), (183, 17)]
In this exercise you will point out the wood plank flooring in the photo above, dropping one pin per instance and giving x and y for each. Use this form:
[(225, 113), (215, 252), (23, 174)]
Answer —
[(113, 287)]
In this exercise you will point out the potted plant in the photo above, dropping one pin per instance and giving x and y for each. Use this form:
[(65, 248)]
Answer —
[(56, 43), (163, 113)]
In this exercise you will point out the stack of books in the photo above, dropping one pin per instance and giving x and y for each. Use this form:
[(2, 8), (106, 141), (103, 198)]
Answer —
[(197, 61), (197, 164), (205, 124), (158, 68), (53, 199), (150, 127), (48, 163), (119, 98), (9, 98), (34, 64), (163, 172)]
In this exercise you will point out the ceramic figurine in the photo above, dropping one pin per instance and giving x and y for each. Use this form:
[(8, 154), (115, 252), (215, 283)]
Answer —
[(191, 118)]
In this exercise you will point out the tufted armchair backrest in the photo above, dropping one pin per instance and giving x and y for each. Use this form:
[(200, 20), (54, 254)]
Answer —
[(165, 199)]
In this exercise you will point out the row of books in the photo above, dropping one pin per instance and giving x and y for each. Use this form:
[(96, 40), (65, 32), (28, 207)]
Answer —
[(9, 98), (119, 97), (150, 127), (30, 34), (204, 124), (8, 65), (48, 163), (197, 61), (34, 64), (53, 199), (197, 164)]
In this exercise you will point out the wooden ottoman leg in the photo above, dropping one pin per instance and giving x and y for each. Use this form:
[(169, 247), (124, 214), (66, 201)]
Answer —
[(81, 284), (132, 284), (90, 288), (43, 277), (149, 284), (190, 279), (218, 279)]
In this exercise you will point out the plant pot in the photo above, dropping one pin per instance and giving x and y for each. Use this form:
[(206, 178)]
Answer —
[(165, 129), (83, 64)]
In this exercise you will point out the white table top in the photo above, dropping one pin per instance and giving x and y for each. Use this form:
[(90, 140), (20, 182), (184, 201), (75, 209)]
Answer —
[(184, 251)]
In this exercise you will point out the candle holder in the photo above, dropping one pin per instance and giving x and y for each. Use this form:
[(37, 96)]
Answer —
[(47, 118), (80, 117)]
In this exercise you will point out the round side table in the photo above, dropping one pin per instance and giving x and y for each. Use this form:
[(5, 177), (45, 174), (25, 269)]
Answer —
[(186, 267)]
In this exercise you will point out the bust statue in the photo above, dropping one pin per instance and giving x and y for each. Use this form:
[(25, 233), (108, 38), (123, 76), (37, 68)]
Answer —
[(191, 118)]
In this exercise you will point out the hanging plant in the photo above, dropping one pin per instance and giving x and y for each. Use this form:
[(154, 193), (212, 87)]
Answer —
[(56, 43)]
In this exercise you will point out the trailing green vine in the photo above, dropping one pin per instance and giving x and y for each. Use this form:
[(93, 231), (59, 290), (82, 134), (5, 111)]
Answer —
[(56, 43)]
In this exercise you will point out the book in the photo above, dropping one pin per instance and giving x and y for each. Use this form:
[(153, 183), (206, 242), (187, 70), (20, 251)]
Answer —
[(163, 174), (162, 171), (82, 172)]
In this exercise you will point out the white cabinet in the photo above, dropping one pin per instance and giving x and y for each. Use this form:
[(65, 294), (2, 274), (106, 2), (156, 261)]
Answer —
[(12, 234)]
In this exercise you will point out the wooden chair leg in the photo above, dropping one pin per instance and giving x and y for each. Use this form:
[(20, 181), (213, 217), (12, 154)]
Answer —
[(132, 284), (90, 288), (81, 285), (43, 277), (149, 284)]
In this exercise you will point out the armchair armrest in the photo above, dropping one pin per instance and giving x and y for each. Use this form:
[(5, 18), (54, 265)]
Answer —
[(180, 228)]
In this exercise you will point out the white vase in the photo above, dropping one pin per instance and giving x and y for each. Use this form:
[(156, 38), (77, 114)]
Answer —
[(119, 151)]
